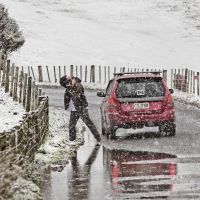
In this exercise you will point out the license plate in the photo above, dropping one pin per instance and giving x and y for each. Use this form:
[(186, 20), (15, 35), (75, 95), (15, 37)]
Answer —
[(140, 105)]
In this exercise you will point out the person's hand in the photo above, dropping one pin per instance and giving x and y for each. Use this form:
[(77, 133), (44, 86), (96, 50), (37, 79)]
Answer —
[(68, 81), (68, 84)]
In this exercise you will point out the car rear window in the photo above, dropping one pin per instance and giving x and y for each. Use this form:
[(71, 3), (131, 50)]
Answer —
[(140, 87)]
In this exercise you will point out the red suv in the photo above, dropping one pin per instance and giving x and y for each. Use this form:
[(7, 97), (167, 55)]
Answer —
[(135, 100)]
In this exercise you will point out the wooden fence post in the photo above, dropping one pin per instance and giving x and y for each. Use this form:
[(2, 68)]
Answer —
[(54, 69), (86, 73), (190, 90), (29, 71), (3, 76), (76, 71), (108, 73), (0, 73), (171, 78), (175, 79), (33, 96), (186, 79), (81, 72), (22, 68), (12, 79), (65, 72), (25, 89), (7, 76), (36, 96), (193, 90), (28, 96), (59, 72), (20, 85), (198, 87), (71, 70), (182, 75), (40, 73), (105, 75), (33, 73), (179, 79), (47, 68), (99, 74), (165, 75), (15, 84), (92, 74), (40, 92)]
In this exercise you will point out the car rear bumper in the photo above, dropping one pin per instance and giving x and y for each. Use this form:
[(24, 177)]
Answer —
[(127, 121)]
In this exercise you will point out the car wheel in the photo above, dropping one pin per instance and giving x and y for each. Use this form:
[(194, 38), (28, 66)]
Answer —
[(168, 128), (103, 129), (111, 133)]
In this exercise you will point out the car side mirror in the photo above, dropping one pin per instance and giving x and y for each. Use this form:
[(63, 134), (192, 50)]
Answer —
[(171, 91), (101, 94)]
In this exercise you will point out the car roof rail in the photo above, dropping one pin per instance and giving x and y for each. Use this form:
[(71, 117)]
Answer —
[(146, 72)]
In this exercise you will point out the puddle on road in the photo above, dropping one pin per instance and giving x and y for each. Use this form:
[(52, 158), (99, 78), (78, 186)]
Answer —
[(97, 173), (136, 175)]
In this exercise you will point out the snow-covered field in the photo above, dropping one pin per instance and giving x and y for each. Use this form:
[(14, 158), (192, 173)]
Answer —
[(136, 33), (11, 112)]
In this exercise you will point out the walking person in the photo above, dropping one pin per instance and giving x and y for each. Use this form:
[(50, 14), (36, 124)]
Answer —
[(75, 101)]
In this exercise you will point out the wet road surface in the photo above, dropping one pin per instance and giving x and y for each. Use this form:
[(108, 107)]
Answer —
[(138, 165)]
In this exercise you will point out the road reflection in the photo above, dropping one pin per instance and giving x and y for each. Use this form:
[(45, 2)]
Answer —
[(80, 177), (136, 175)]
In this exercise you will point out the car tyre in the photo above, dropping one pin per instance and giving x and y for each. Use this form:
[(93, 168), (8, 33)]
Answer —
[(103, 129), (111, 133), (169, 129)]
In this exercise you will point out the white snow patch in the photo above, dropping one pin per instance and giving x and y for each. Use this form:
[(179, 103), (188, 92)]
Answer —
[(25, 189), (11, 112)]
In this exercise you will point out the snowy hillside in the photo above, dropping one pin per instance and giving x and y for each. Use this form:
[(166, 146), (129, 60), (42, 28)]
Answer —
[(155, 33)]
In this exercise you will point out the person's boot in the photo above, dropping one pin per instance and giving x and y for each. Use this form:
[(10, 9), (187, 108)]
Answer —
[(98, 139)]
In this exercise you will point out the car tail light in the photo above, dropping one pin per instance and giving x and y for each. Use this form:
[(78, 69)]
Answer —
[(172, 169), (169, 102), (112, 104)]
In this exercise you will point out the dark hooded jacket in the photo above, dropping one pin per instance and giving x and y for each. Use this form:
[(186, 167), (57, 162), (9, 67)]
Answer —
[(76, 93)]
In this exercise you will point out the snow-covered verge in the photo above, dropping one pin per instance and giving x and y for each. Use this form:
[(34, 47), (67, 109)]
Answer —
[(187, 98), (13, 182), (11, 112), (55, 151), (132, 33)]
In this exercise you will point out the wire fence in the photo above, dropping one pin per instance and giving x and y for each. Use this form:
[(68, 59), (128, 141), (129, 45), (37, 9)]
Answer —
[(183, 79)]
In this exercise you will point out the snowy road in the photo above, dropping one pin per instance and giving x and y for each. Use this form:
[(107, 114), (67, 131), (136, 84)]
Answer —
[(133, 167)]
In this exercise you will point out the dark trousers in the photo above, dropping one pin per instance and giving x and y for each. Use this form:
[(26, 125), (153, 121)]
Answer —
[(84, 115)]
